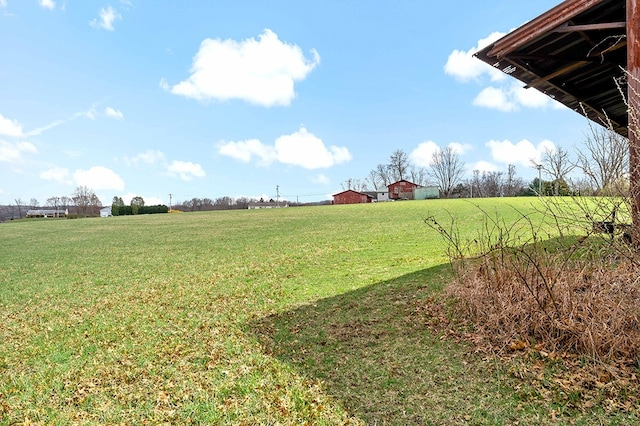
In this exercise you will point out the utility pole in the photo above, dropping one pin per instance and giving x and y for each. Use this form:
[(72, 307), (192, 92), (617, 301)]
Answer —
[(277, 196), (539, 167), (170, 195)]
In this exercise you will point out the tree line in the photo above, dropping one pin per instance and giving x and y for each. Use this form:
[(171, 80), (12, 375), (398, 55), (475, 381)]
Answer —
[(82, 202), (599, 167), (137, 206), (222, 203)]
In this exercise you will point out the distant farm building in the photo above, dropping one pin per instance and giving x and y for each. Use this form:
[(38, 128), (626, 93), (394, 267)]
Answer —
[(402, 190), (47, 213), (351, 197), (267, 205), (105, 212), (377, 195), (426, 193)]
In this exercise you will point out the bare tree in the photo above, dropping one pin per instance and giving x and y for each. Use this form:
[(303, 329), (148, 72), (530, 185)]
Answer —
[(492, 184), (398, 166), (65, 202), (223, 203), (446, 169), (557, 165), (19, 204), (513, 184), (207, 204), (374, 180), (354, 184), (418, 175), (605, 157), (84, 199), (475, 187), (53, 202), (383, 175)]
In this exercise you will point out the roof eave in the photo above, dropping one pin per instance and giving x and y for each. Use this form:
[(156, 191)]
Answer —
[(544, 23)]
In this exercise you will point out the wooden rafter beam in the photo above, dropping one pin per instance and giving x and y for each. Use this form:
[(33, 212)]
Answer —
[(568, 28), (545, 23), (633, 95)]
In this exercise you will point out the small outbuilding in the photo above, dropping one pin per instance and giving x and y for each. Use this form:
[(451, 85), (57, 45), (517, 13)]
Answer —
[(377, 195), (402, 190), (351, 197), (106, 212), (426, 193), (267, 205)]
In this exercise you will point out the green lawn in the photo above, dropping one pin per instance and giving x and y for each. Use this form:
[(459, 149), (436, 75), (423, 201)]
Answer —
[(309, 315)]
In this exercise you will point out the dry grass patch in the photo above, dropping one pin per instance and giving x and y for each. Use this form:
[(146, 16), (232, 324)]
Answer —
[(563, 313)]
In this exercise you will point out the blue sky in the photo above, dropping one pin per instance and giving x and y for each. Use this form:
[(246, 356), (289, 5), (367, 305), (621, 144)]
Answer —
[(220, 98)]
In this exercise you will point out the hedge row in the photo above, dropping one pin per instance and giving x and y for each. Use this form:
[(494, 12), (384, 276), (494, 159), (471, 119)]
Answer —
[(130, 210)]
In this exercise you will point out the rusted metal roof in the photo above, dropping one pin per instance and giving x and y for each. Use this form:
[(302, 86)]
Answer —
[(575, 53)]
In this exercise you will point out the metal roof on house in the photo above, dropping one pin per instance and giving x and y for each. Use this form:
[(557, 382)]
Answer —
[(575, 53)]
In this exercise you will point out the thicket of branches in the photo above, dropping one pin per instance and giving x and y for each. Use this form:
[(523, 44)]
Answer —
[(566, 278)]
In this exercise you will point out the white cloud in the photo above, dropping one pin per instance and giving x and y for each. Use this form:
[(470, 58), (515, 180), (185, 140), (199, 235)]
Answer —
[(59, 174), (423, 154), (164, 84), (484, 166), (306, 150), (152, 201), (10, 127), (262, 72), (90, 114), (505, 95), (113, 113), (245, 151), (126, 3), (107, 18), (12, 152), (3, 3), (186, 170), (495, 98), (460, 148), (147, 157), (148, 201), (300, 148), (513, 97), (321, 178), (464, 67), (532, 98), (99, 178), (521, 153), (47, 4)]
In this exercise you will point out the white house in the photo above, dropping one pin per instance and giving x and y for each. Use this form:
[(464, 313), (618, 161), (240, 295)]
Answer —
[(378, 195), (105, 212)]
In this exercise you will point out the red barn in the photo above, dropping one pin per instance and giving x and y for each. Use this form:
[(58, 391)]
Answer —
[(402, 189), (351, 197)]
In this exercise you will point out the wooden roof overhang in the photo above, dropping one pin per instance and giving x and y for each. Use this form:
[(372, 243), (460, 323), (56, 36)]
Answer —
[(576, 53), (586, 55)]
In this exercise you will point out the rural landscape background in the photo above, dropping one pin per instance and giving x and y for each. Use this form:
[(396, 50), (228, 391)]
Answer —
[(138, 285)]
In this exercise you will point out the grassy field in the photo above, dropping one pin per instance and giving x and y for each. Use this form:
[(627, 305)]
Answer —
[(308, 315)]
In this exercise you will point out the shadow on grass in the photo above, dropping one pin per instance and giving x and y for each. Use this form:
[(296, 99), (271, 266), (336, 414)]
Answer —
[(374, 350)]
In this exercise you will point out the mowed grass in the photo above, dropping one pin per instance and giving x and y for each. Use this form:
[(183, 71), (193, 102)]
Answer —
[(309, 315)]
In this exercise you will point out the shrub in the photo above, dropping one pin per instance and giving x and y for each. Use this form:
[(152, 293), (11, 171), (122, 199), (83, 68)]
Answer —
[(577, 293)]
